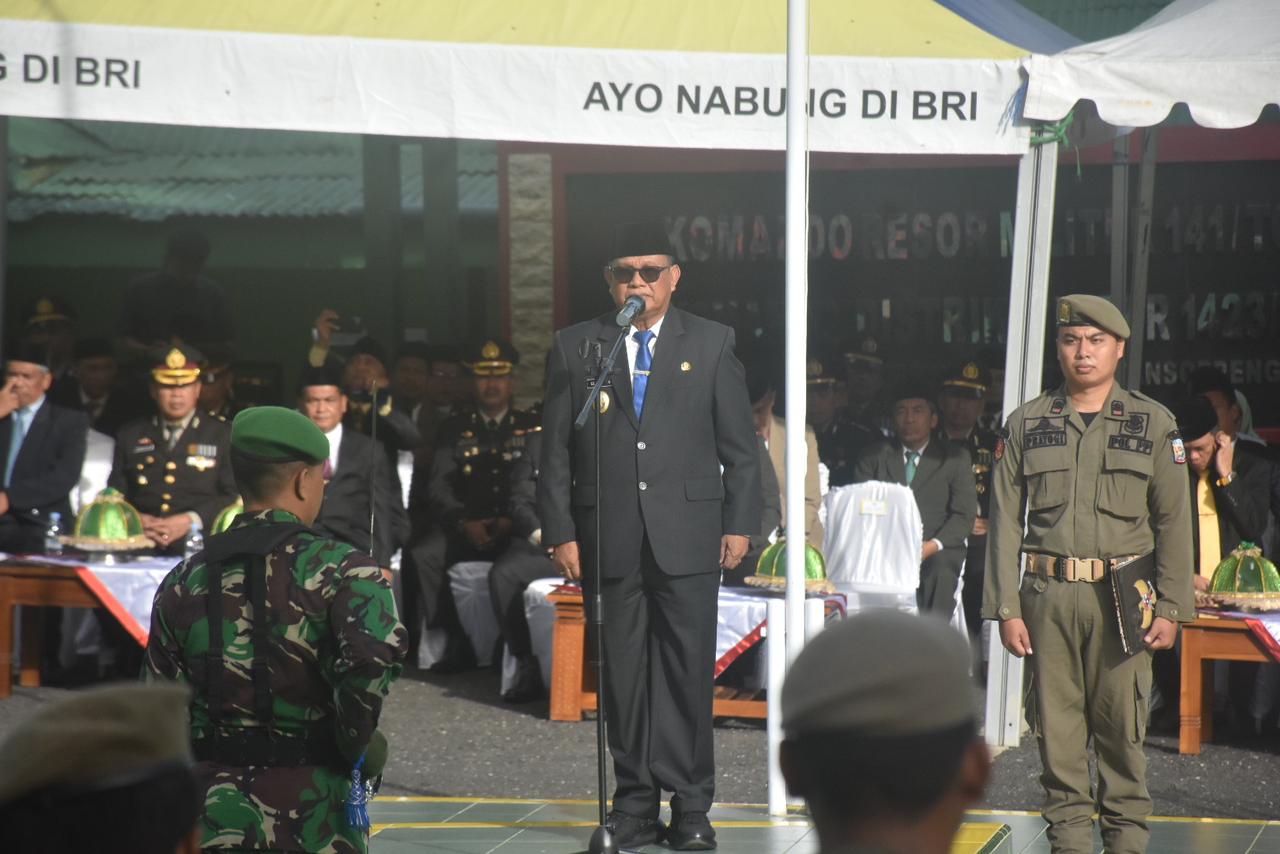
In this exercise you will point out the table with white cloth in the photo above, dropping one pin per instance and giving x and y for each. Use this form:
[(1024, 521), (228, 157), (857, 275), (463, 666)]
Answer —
[(126, 589)]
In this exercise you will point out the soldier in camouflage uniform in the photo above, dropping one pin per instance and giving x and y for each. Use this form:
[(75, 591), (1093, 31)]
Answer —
[(289, 702)]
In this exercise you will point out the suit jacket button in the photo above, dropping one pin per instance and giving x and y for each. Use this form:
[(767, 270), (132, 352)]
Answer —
[(641, 445), (643, 486)]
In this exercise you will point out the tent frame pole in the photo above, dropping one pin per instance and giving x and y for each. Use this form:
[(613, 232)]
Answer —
[(1024, 367), (797, 318)]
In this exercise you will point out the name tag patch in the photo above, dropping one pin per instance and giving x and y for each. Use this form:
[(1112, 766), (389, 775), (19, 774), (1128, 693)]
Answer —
[(1045, 424), (1045, 439), (1130, 443)]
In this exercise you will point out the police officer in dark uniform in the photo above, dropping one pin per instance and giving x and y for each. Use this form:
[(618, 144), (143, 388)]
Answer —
[(839, 439), (864, 380), (469, 490), (960, 405), (173, 466)]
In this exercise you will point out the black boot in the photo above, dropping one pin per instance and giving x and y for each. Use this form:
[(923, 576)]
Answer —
[(528, 682)]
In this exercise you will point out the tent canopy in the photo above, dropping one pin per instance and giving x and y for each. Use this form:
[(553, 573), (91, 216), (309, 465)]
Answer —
[(907, 77), (1219, 57)]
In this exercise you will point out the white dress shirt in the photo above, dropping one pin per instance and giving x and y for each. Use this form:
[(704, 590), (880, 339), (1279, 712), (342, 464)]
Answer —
[(335, 441)]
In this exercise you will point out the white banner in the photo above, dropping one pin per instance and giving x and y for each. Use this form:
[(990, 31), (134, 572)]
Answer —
[(470, 91)]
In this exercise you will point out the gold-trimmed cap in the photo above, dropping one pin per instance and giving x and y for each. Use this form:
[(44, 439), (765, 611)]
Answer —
[(1090, 310), (865, 350), (491, 357), (972, 380), (817, 371), (49, 309), (176, 365)]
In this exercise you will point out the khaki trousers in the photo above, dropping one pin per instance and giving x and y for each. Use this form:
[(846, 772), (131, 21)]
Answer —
[(1086, 688)]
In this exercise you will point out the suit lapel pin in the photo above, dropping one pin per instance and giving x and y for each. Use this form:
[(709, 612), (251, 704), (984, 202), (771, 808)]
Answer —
[(686, 367)]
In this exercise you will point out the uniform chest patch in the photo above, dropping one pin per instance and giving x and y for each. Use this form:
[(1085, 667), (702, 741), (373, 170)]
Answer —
[(1130, 443), (1135, 425), (1045, 431)]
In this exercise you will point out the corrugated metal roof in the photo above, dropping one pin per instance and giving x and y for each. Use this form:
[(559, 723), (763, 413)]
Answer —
[(1096, 19), (150, 173)]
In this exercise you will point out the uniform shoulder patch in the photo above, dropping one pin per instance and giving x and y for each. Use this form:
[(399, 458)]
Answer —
[(1117, 408), (1059, 404), (1001, 436), (1179, 452)]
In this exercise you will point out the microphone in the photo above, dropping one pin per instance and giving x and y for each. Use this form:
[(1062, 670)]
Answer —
[(633, 306)]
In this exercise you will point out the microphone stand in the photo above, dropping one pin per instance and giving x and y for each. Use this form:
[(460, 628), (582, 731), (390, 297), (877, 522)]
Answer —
[(601, 839)]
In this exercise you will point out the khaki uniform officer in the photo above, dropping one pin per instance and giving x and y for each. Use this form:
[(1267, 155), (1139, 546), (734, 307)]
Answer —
[(1100, 473), (173, 465)]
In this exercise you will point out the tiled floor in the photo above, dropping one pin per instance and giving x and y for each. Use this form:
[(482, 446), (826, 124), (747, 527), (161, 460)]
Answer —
[(465, 826)]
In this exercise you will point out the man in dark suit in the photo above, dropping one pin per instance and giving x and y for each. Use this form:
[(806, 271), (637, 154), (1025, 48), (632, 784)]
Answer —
[(678, 499), (1229, 499), (91, 386), (44, 446), (173, 466), (357, 474), (941, 479)]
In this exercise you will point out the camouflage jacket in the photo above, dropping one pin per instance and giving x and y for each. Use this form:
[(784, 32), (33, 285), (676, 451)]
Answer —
[(336, 647)]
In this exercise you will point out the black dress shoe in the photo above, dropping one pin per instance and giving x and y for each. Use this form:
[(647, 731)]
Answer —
[(457, 657), (691, 831), (632, 831), (527, 686)]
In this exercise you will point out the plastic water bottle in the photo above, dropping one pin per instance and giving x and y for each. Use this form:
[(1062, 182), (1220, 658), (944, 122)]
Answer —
[(53, 535), (194, 544)]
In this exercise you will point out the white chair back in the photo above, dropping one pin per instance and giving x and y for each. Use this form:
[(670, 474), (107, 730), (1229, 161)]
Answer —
[(872, 543)]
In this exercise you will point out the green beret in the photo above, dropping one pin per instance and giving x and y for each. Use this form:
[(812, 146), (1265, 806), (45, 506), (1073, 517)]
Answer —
[(1090, 310), (98, 740), (273, 434), (916, 682)]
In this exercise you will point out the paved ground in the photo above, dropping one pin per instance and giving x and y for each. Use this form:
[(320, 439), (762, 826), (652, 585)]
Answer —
[(454, 736)]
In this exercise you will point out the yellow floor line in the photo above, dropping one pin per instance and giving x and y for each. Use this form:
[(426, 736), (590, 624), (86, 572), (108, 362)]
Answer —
[(1182, 819)]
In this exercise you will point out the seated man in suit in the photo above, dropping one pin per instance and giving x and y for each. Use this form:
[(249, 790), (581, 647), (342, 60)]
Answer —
[(92, 387), (44, 445), (941, 478), (173, 466), (359, 478)]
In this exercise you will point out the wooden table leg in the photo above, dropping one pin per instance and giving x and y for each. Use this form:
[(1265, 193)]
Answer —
[(1206, 701), (1191, 703), (6, 639), (32, 646)]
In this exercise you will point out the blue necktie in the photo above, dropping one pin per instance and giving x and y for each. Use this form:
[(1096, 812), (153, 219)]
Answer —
[(16, 435), (913, 458), (640, 377)]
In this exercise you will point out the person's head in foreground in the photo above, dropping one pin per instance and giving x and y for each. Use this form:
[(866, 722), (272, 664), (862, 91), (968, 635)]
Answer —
[(882, 735), (106, 770), (278, 458)]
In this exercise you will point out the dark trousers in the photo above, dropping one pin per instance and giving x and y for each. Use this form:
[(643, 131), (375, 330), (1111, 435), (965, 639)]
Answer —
[(515, 569), (975, 569), (660, 641), (938, 578), (432, 556)]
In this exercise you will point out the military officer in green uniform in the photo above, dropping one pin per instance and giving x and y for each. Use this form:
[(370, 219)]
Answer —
[(1099, 472), (306, 643), (960, 405), (469, 490), (173, 466)]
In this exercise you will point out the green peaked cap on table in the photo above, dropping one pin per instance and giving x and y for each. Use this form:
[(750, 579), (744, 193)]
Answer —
[(274, 434), (771, 569), (109, 522)]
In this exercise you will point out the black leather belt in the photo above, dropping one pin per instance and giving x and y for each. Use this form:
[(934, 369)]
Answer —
[(269, 749)]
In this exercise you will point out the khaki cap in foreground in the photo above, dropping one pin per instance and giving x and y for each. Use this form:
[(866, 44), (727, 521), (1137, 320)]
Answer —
[(99, 739), (880, 673)]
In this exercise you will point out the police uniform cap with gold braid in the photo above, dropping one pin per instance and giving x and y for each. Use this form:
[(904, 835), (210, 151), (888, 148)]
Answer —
[(176, 365), (865, 350), (49, 309), (972, 380), (97, 740), (492, 357), (818, 371), (274, 434), (108, 523), (1090, 310), (880, 674)]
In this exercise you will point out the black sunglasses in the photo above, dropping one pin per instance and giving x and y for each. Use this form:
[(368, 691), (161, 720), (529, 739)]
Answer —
[(622, 274)]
